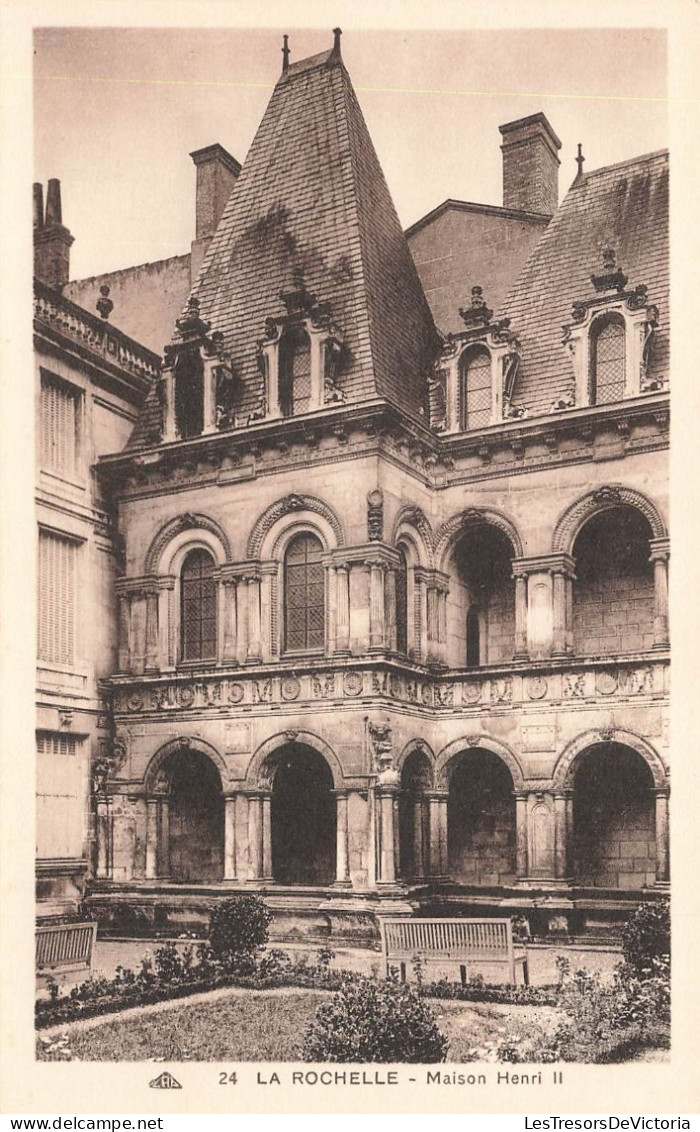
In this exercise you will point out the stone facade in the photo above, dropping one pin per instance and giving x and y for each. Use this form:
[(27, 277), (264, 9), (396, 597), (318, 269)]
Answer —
[(372, 655)]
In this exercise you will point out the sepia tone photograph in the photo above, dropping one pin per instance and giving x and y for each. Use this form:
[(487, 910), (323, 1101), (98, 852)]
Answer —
[(352, 362)]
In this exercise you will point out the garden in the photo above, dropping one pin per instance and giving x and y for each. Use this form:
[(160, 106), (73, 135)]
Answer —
[(241, 1002)]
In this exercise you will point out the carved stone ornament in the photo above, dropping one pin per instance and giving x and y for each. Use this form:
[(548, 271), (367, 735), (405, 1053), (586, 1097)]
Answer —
[(290, 688), (477, 313), (607, 495), (612, 277), (380, 737), (375, 515)]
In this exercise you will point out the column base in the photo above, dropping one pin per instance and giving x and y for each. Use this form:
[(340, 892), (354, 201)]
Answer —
[(342, 885), (342, 651), (550, 884), (662, 886), (521, 656), (661, 646)]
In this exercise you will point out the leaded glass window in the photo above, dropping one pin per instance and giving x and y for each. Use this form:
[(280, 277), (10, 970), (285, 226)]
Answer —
[(304, 604), (608, 361), (198, 606), (476, 390), (295, 373)]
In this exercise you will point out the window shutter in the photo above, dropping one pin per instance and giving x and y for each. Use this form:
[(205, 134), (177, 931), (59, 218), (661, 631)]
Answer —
[(57, 585), (59, 426)]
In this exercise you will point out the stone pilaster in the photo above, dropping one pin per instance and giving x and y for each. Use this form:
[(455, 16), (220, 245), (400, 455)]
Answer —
[(659, 556)]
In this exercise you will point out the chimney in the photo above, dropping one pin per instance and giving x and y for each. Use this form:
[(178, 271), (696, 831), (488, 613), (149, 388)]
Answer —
[(217, 172), (530, 165), (52, 241)]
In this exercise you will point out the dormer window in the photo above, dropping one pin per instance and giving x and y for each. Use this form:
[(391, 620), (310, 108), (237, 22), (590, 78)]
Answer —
[(477, 394), (197, 385), (295, 372), (299, 356), (611, 341), (477, 372), (189, 394), (607, 359)]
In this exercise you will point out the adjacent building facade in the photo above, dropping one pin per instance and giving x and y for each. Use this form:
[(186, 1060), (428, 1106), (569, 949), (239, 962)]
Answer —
[(391, 611)]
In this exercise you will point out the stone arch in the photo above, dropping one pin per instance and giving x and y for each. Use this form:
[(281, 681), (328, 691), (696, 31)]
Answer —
[(286, 506), (185, 743), (258, 775), (564, 770), (474, 516), (603, 499), (421, 747), (486, 743), (171, 529), (412, 522)]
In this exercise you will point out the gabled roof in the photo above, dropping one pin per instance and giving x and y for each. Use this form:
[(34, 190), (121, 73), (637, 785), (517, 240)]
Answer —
[(623, 206), (311, 197)]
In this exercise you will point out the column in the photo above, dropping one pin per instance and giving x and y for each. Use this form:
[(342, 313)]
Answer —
[(254, 642), (168, 386), (397, 842), (268, 572), (151, 838), (152, 630), (559, 614), (331, 603), (102, 838), (163, 852), (659, 556), (569, 632), (255, 835), (387, 856), (342, 871), (166, 658), (228, 590), (662, 866), (124, 651), (391, 609), (342, 608), (520, 617), (521, 857), (267, 836), (441, 624), (376, 604), (561, 852), (209, 395), (420, 611), (230, 837), (418, 844), (433, 623)]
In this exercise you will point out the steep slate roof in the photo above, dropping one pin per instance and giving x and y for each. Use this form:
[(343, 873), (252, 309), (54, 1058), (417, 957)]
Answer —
[(624, 206), (312, 195)]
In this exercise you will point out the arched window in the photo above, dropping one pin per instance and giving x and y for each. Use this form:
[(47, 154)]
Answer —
[(402, 603), (189, 394), (295, 372), (304, 604), (198, 607), (473, 638), (607, 360), (476, 390)]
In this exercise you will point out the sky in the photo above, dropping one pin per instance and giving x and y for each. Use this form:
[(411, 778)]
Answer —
[(118, 111)]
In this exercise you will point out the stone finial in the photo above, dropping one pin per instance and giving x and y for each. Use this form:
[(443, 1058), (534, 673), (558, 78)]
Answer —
[(579, 162), (104, 304), (285, 54)]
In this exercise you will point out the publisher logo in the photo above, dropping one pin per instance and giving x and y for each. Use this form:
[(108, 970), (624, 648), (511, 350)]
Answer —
[(165, 1081)]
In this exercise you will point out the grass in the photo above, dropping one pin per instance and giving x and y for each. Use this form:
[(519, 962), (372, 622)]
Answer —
[(256, 1026)]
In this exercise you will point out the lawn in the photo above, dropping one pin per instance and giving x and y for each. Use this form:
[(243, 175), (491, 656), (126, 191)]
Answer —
[(256, 1026)]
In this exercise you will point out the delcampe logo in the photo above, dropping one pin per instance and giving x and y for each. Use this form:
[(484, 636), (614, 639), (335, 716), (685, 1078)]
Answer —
[(165, 1081)]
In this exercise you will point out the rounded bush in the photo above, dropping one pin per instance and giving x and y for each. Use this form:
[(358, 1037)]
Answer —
[(238, 927), (369, 1021), (647, 936)]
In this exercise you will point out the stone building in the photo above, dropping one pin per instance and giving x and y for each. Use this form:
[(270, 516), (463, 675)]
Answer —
[(393, 627), (90, 382)]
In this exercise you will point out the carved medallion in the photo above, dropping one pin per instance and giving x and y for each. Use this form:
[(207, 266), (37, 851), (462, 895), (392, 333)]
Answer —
[(186, 695), (290, 688), (426, 694), (444, 695), (537, 688), (352, 684), (235, 693), (471, 692), (134, 702), (606, 683)]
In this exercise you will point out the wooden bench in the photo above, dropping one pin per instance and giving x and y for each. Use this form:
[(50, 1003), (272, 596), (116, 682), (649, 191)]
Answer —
[(64, 947), (463, 942)]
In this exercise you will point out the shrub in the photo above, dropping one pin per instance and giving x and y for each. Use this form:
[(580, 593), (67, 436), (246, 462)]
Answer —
[(238, 928), (647, 935), (369, 1021)]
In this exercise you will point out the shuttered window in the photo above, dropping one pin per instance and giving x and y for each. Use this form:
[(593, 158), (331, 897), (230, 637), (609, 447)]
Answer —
[(59, 439), (57, 592), (608, 362), (476, 390), (54, 743), (61, 796), (304, 604), (198, 606)]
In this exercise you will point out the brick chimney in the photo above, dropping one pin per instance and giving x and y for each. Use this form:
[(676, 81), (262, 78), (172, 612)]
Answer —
[(52, 241), (217, 171), (530, 165)]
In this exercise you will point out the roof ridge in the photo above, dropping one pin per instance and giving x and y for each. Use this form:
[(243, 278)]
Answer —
[(640, 160)]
